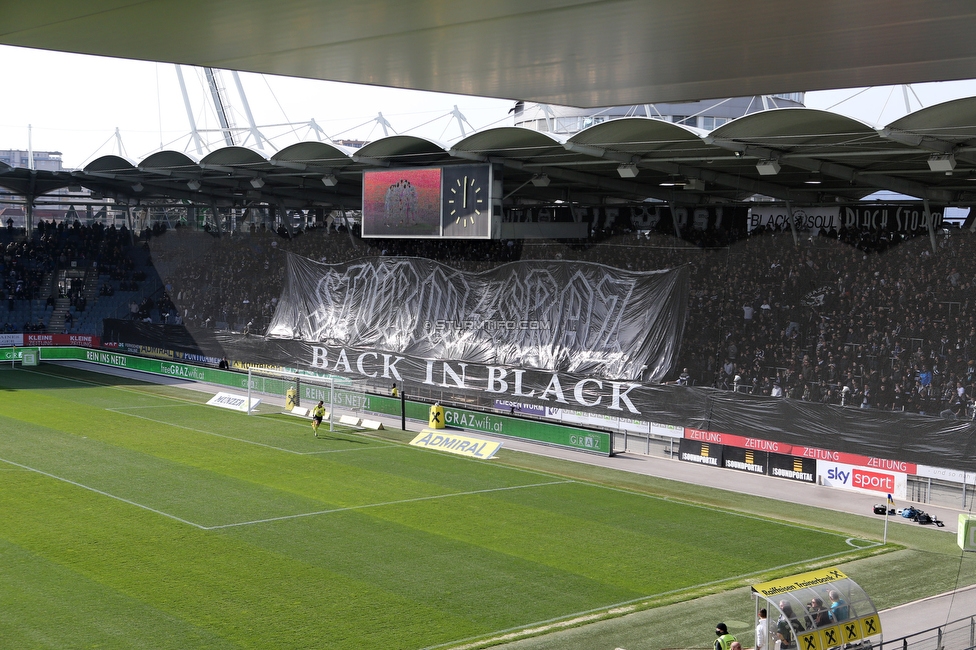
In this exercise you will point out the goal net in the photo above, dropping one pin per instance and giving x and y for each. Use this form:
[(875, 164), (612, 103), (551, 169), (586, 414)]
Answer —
[(300, 392)]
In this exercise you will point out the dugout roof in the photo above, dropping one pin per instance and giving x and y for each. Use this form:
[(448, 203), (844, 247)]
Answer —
[(802, 155), (568, 52)]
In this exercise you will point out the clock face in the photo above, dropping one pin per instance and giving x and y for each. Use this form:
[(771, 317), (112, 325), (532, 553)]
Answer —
[(466, 208)]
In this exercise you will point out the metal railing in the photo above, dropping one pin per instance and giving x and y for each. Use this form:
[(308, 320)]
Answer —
[(957, 635)]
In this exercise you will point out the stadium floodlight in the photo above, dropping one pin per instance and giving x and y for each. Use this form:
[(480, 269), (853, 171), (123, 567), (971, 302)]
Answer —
[(942, 162), (257, 183), (767, 167), (673, 181), (137, 187), (330, 180), (193, 184), (628, 171), (540, 180)]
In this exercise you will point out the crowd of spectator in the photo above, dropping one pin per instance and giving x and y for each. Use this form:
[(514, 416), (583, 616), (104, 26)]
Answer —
[(52, 245), (236, 280), (862, 319), (29, 261), (858, 318)]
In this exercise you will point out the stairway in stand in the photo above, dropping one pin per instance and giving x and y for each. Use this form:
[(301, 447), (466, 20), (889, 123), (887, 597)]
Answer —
[(61, 307)]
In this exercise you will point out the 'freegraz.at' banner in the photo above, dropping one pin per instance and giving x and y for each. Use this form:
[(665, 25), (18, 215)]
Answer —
[(883, 217), (553, 316)]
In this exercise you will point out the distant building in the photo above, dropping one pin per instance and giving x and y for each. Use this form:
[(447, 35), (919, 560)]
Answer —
[(705, 115), (46, 160)]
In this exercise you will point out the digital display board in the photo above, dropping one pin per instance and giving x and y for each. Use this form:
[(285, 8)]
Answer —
[(452, 202), (402, 203)]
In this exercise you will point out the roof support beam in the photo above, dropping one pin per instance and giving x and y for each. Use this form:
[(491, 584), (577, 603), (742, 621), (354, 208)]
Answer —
[(732, 181), (900, 185), (637, 190)]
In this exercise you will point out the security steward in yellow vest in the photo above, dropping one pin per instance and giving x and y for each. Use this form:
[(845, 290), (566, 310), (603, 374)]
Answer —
[(724, 639)]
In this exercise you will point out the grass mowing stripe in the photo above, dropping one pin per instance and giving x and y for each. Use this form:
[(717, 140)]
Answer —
[(744, 515), (387, 503), (490, 560), (252, 597), (209, 433), (40, 594), (103, 493), (179, 479), (623, 607), (142, 393)]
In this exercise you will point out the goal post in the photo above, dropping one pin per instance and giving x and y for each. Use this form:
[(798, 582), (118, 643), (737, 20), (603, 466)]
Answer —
[(302, 391)]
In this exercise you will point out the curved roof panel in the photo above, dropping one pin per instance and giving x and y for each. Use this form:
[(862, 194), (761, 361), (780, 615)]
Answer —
[(314, 153), (954, 120), (518, 143), (401, 146), (234, 156), (794, 126), (110, 164), (505, 138), (169, 160), (643, 136)]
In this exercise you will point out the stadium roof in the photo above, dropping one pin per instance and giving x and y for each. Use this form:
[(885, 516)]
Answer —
[(803, 155), (567, 52)]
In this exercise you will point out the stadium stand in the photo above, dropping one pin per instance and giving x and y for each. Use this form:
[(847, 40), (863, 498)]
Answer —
[(855, 318)]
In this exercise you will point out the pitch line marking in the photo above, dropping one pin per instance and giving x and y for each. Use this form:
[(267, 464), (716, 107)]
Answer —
[(132, 391), (209, 433), (386, 503), (250, 442), (155, 406), (186, 402), (103, 493), (342, 451)]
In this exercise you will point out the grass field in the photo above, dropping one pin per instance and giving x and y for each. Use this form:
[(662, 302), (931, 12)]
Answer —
[(136, 516)]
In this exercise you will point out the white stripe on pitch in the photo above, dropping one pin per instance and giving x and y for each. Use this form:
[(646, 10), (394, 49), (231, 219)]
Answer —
[(209, 433), (387, 503), (103, 493)]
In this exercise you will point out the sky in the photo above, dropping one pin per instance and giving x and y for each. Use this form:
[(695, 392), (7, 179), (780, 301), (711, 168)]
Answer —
[(87, 106)]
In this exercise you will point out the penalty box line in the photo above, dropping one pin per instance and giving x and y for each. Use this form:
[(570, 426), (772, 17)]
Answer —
[(103, 493), (122, 411), (208, 433), (386, 503)]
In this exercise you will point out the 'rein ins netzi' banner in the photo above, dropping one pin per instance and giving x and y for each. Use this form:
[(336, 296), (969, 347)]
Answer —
[(543, 315)]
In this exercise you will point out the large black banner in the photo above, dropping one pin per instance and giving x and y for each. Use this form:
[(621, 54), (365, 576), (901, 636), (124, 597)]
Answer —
[(574, 317)]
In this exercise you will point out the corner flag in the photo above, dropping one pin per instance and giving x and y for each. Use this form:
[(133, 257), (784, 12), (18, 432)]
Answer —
[(891, 502)]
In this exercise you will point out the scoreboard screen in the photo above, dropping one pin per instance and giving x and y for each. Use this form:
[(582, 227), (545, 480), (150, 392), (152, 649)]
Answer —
[(452, 202)]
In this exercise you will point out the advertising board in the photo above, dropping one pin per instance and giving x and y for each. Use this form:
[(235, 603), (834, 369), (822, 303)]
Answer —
[(862, 479)]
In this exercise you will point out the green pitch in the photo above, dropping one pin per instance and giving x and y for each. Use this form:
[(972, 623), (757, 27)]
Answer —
[(136, 516)]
